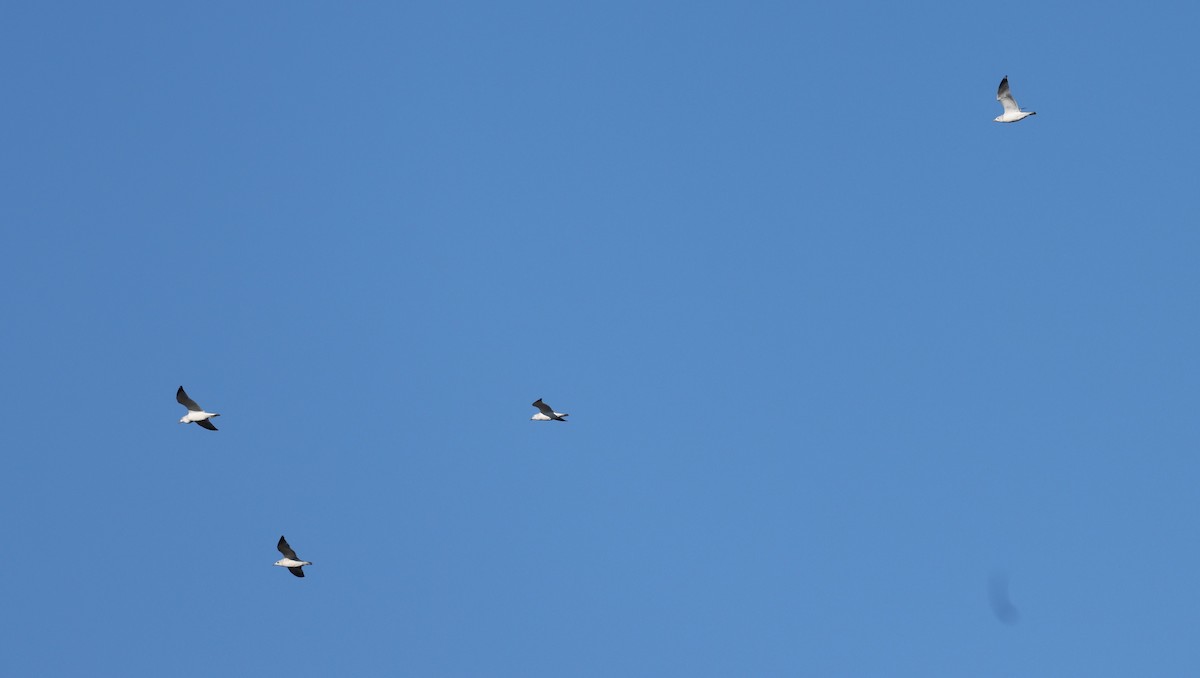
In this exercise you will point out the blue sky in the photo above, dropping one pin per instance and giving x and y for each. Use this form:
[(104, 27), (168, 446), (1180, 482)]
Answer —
[(839, 350)]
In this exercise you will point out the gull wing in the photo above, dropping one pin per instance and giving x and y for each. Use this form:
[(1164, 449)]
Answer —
[(1005, 97), (182, 397), (545, 409), (207, 424), (298, 571), (287, 552)]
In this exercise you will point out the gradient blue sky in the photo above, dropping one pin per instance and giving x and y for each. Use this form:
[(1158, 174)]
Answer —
[(837, 347)]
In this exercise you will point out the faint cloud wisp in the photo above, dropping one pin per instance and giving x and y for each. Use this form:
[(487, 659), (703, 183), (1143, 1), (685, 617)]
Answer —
[(1002, 607)]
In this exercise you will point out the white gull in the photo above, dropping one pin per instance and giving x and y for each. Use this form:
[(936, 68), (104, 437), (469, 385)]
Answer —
[(290, 560), (196, 414), (1012, 112)]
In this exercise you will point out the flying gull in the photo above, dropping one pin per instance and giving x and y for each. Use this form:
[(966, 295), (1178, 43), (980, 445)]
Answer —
[(1012, 112), (290, 560), (547, 413), (196, 414)]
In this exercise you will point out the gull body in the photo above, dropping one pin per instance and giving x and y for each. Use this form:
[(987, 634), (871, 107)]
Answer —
[(195, 414), (290, 560), (196, 417), (547, 413), (1012, 112)]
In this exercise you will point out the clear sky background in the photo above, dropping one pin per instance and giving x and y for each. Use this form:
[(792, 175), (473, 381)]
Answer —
[(839, 350)]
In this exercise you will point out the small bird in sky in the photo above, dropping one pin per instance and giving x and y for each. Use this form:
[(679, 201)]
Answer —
[(196, 414), (1012, 112), (290, 560), (547, 413)]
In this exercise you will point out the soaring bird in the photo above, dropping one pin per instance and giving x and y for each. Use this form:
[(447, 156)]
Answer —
[(196, 414), (1012, 112), (547, 413), (290, 560)]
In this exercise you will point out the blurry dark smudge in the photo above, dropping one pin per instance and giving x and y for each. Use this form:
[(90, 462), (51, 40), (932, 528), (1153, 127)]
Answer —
[(1002, 607)]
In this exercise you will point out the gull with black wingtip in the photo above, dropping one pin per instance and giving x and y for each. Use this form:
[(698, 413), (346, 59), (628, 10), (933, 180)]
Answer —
[(196, 414), (290, 560), (547, 413), (1012, 112)]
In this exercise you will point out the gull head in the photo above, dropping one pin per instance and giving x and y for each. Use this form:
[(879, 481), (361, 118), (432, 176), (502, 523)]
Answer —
[(279, 563), (183, 420)]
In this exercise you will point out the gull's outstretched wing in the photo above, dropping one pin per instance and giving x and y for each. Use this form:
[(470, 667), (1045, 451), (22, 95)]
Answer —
[(1005, 97), (545, 409), (287, 552), (207, 423), (182, 397), (298, 571)]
